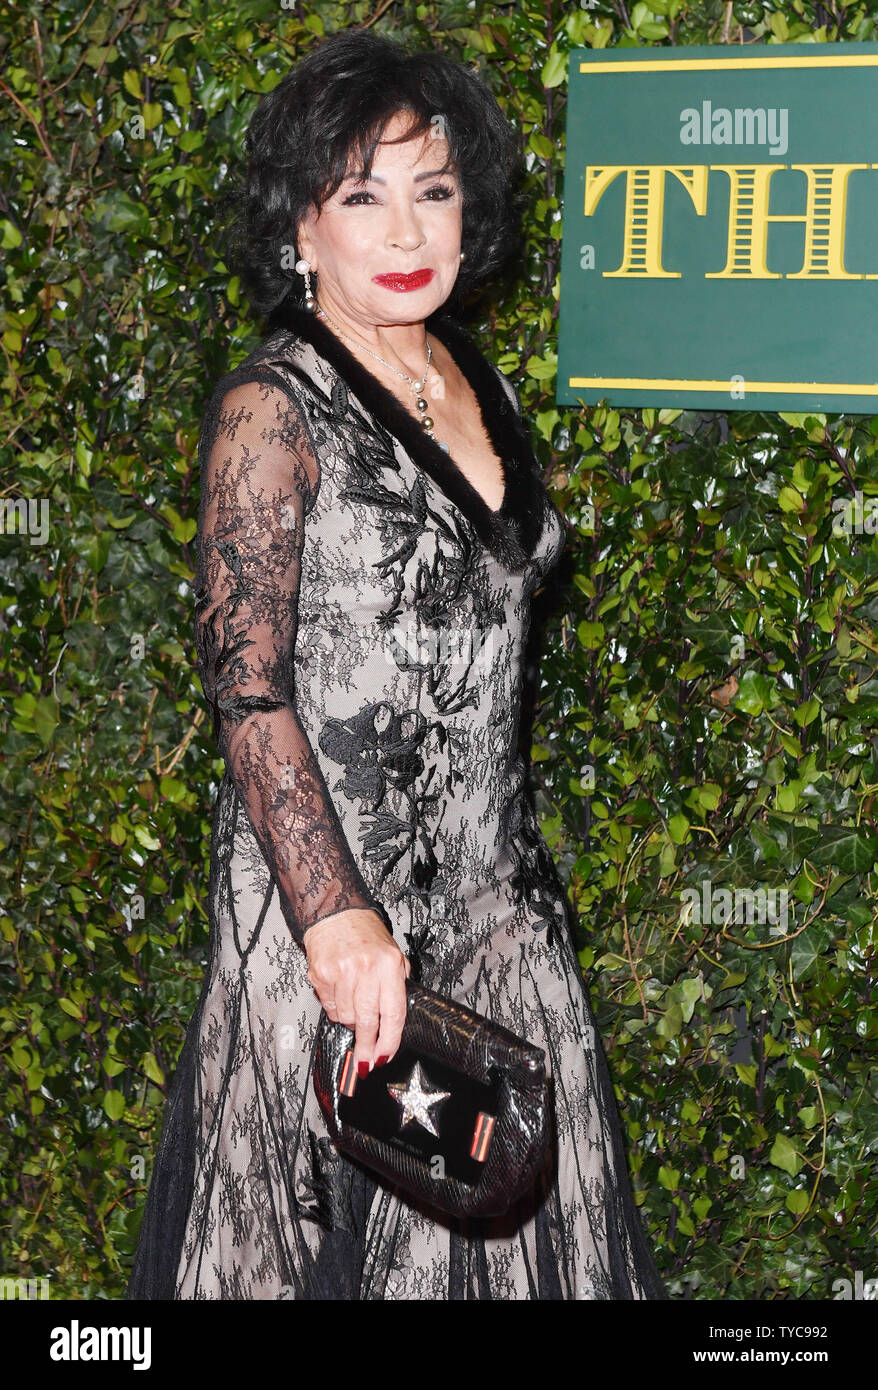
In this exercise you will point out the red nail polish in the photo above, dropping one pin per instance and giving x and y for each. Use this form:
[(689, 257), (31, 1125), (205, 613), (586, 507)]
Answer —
[(380, 1061), (362, 1069)]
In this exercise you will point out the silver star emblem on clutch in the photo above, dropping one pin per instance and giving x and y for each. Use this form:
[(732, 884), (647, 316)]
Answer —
[(416, 1100)]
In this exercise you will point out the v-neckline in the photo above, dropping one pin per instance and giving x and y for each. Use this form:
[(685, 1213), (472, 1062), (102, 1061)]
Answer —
[(494, 512), (510, 531)]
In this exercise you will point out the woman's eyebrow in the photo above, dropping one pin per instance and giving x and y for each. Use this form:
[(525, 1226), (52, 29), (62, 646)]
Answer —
[(376, 178)]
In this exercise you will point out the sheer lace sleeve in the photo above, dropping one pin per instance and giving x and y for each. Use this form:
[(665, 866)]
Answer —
[(259, 475)]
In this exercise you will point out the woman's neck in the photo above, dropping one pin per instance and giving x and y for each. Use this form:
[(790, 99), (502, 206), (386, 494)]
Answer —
[(402, 345)]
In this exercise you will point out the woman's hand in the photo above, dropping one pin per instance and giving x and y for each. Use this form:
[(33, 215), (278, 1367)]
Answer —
[(358, 973)]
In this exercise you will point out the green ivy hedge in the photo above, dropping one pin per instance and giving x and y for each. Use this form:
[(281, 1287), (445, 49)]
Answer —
[(704, 715)]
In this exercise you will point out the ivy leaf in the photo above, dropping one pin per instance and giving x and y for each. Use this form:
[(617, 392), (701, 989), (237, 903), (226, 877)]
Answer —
[(713, 632), (152, 1069), (807, 948), (678, 828), (114, 1104), (784, 1155), (846, 848), (755, 693), (555, 69), (122, 214), (790, 500)]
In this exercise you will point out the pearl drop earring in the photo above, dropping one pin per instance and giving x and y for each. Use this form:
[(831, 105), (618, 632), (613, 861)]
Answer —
[(304, 268)]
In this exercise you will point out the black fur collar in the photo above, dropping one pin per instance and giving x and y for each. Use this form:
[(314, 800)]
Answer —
[(511, 534)]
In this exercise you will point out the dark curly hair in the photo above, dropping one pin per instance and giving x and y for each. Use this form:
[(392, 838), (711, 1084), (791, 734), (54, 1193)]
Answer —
[(337, 101)]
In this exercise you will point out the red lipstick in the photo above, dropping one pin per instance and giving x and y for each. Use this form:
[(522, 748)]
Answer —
[(403, 283)]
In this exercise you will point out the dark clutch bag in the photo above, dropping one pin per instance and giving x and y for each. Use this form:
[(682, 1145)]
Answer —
[(457, 1117)]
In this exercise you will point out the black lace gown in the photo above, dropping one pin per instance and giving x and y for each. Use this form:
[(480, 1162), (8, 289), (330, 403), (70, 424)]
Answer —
[(361, 615)]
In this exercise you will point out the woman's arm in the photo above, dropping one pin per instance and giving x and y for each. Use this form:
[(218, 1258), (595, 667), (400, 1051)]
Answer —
[(258, 477)]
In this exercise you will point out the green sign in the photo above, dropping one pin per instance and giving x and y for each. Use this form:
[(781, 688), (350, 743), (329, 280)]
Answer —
[(720, 235)]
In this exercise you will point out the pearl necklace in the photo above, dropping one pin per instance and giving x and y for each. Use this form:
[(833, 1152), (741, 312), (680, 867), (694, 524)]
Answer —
[(416, 386)]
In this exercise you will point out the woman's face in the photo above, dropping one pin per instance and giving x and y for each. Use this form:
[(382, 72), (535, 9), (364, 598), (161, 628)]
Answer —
[(405, 218)]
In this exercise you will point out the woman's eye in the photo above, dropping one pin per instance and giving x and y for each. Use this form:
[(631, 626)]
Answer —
[(442, 189)]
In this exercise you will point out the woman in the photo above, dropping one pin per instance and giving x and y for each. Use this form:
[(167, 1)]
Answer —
[(373, 525)]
